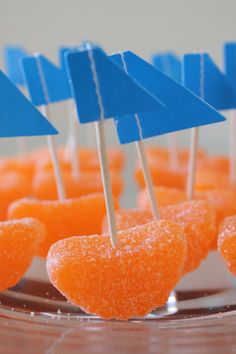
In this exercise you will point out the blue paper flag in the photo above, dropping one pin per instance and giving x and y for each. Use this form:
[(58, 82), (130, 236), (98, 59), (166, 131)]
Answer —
[(46, 82), (169, 64), (18, 117), (12, 58), (102, 90), (183, 110), (61, 55), (230, 62), (205, 79)]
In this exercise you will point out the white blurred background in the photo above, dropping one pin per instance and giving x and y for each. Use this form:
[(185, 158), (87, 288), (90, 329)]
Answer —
[(142, 26)]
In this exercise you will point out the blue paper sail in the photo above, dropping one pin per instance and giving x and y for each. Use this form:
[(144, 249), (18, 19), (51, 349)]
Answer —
[(46, 82), (12, 58), (205, 79), (230, 62), (169, 64), (18, 117), (183, 110), (61, 55), (65, 49), (117, 94)]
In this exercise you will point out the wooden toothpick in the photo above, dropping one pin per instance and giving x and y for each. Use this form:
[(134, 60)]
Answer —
[(194, 143), (143, 160), (71, 148), (102, 152)]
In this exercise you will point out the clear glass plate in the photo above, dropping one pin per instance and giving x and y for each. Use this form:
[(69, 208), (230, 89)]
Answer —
[(36, 318)]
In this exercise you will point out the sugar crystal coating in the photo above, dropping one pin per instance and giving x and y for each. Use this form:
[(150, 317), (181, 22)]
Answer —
[(123, 282), (227, 242), (19, 242), (165, 196), (197, 218), (82, 216), (44, 184)]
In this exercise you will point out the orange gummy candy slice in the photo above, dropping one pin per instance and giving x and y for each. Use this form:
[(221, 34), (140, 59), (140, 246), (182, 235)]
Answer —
[(162, 175), (88, 160), (44, 185), (13, 185), (224, 201), (21, 165), (82, 216), (165, 196), (209, 179), (197, 218), (227, 242), (123, 282), (160, 154), (19, 242)]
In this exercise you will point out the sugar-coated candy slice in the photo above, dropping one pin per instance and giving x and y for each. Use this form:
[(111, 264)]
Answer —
[(21, 165), (44, 184), (123, 282), (218, 164), (13, 185), (165, 196), (19, 242), (157, 154), (162, 175), (197, 218), (224, 201), (87, 158), (209, 179), (227, 242), (81, 216)]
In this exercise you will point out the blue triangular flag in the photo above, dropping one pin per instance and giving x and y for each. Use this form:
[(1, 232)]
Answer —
[(205, 79), (12, 58), (183, 110), (61, 55), (46, 82), (65, 49), (169, 64), (230, 62), (18, 117), (102, 90)]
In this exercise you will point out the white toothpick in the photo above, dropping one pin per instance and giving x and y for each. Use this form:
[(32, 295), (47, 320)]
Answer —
[(54, 157), (172, 144), (143, 160), (194, 143), (101, 145), (192, 163), (71, 148), (232, 146), (51, 138), (147, 178)]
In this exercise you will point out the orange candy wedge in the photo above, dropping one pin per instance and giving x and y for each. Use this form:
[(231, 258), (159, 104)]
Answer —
[(197, 219), (162, 175), (19, 242), (13, 185), (21, 165), (127, 281), (224, 201), (88, 160), (82, 216), (44, 185), (227, 242), (165, 196), (209, 179)]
